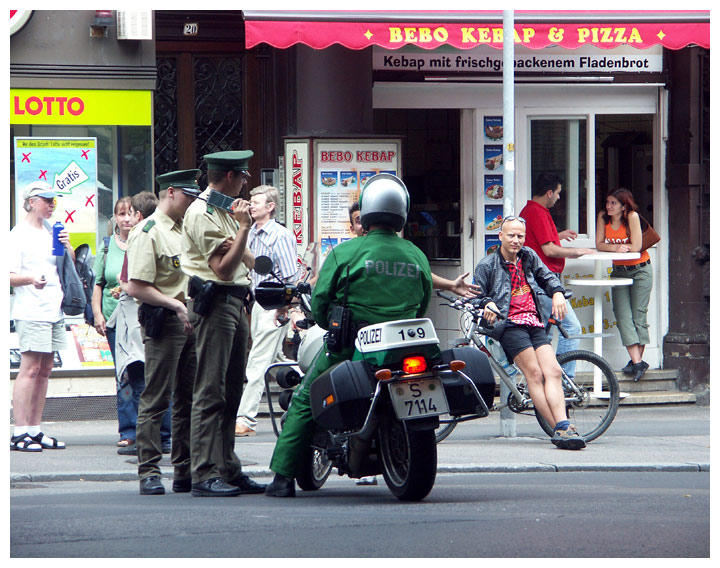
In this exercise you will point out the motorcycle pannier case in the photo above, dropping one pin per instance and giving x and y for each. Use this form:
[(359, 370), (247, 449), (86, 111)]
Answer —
[(460, 396), (340, 397)]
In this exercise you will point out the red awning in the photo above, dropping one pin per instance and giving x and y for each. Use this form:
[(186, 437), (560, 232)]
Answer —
[(466, 30)]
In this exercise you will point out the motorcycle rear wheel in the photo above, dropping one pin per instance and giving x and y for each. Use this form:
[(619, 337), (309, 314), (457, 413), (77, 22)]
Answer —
[(409, 460), (314, 471)]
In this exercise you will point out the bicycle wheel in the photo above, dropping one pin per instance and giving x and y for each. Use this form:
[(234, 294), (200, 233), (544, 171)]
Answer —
[(447, 425), (590, 410)]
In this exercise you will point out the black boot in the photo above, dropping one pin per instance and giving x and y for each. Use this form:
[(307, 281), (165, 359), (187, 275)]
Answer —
[(281, 486), (628, 369)]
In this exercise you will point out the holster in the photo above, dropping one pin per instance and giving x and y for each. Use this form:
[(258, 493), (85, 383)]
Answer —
[(202, 293), (340, 331), (152, 318)]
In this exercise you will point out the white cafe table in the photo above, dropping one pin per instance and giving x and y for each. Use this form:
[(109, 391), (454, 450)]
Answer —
[(599, 281)]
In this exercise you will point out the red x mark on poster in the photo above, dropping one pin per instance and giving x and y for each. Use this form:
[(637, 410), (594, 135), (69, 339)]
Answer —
[(85, 153), (43, 175), (90, 201), (26, 157), (69, 215)]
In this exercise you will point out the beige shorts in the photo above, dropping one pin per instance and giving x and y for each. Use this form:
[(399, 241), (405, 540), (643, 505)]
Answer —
[(41, 336)]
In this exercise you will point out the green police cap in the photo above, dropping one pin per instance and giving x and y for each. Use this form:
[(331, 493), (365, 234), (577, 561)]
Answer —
[(185, 180), (230, 160)]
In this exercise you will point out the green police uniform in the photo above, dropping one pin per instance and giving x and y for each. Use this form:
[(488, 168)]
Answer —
[(154, 256), (222, 334), (387, 278)]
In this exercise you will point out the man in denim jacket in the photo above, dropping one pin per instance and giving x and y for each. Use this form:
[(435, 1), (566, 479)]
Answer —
[(510, 280)]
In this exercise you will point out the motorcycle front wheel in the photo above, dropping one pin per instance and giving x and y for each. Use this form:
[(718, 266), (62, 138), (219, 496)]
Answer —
[(409, 460)]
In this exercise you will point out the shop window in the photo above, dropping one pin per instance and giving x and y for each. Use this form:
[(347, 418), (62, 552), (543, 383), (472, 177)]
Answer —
[(559, 146), (624, 158), (431, 171), (124, 161)]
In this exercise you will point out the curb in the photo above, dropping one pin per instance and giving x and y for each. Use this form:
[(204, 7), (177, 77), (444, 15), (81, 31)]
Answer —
[(534, 468)]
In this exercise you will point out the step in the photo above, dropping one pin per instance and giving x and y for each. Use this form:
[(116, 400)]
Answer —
[(658, 397)]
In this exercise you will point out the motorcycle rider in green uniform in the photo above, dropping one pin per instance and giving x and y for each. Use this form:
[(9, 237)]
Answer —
[(379, 278)]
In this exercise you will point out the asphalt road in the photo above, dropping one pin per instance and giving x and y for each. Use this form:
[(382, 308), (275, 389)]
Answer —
[(478, 515)]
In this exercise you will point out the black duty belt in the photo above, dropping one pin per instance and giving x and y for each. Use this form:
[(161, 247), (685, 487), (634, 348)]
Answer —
[(621, 267), (236, 291)]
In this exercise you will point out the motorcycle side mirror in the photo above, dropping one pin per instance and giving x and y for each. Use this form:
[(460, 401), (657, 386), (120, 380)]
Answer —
[(263, 265)]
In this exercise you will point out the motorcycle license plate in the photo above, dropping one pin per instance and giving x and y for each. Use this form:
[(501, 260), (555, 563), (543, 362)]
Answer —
[(418, 398)]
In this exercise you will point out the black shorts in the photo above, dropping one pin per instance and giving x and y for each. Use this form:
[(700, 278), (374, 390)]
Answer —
[(517, 338)]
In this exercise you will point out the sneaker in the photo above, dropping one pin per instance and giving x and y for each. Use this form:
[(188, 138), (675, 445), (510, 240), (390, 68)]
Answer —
[(628, 369), (568, 439), (639, 370)]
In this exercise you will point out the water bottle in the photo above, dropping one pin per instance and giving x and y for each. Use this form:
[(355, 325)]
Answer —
[(499, 353), (58, 248)]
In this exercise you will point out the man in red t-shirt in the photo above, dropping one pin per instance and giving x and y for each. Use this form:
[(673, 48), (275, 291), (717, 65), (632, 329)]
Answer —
[(542, 236)]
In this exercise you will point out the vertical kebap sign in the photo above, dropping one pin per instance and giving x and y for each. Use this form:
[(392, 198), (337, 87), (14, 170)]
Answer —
[(341, 170), (69, 165)]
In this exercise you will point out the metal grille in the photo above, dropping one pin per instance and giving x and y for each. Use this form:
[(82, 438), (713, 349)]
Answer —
[(166, 114), (218, 105), (77, 408)]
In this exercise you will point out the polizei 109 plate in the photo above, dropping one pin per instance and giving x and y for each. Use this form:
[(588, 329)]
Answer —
[(396, 334)]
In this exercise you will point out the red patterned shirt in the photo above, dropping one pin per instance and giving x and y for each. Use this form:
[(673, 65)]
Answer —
[(522, 306)]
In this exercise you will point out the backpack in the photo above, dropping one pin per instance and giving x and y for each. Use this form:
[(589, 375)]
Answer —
[(75, 299), (83, 266)]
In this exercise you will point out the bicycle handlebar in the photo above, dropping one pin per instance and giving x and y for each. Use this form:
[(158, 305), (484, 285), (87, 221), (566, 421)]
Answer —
[(463, 304)]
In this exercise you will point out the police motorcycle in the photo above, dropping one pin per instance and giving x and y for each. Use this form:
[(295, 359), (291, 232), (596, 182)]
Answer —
[(377, 413)]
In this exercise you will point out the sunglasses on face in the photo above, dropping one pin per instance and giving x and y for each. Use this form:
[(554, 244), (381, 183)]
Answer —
[(513, 218), (49, 200)]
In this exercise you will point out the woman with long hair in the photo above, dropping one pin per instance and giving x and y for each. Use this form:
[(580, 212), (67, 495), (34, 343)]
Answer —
[(37, 314), (618, 230)]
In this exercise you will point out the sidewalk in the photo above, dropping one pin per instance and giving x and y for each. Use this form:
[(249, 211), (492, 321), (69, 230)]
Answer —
[(659, 438)]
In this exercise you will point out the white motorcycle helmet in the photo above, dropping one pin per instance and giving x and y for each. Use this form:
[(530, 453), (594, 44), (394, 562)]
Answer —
[(384, 200)]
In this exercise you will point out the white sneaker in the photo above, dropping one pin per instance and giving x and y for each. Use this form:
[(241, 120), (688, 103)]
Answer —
[(369, 480)]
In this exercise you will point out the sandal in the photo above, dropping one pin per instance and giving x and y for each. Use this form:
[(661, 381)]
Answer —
[(125, 442), (24, 443), (48, 442)]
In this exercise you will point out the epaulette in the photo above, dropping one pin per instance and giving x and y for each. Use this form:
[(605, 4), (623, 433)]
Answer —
[(149, 225)]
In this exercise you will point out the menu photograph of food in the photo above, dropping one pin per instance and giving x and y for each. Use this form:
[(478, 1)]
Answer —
[(494, 187), (493, 217), (493, 126), (492, 243), (349, 179), (365, 176), (329, 179), (493, 157)]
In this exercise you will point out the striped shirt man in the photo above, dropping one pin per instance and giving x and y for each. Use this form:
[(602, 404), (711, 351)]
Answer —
[(277, 242)]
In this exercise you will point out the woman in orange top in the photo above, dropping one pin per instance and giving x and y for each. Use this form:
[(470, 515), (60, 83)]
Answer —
[(618, 230)]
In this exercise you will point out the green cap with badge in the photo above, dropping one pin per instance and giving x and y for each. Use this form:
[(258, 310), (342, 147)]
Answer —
[(184, 180), (229, 161)]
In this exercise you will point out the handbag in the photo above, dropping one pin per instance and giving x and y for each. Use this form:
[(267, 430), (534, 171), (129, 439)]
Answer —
[(649, 235)]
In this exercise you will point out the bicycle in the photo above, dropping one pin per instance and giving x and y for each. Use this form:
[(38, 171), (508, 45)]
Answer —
[(591, 396)]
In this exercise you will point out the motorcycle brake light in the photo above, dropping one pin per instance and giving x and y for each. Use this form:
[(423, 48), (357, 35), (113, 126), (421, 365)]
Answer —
[(414, 365)]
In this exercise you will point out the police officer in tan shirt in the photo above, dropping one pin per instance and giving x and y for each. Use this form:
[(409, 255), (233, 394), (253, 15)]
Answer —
[(156, 281), (219, 288)]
